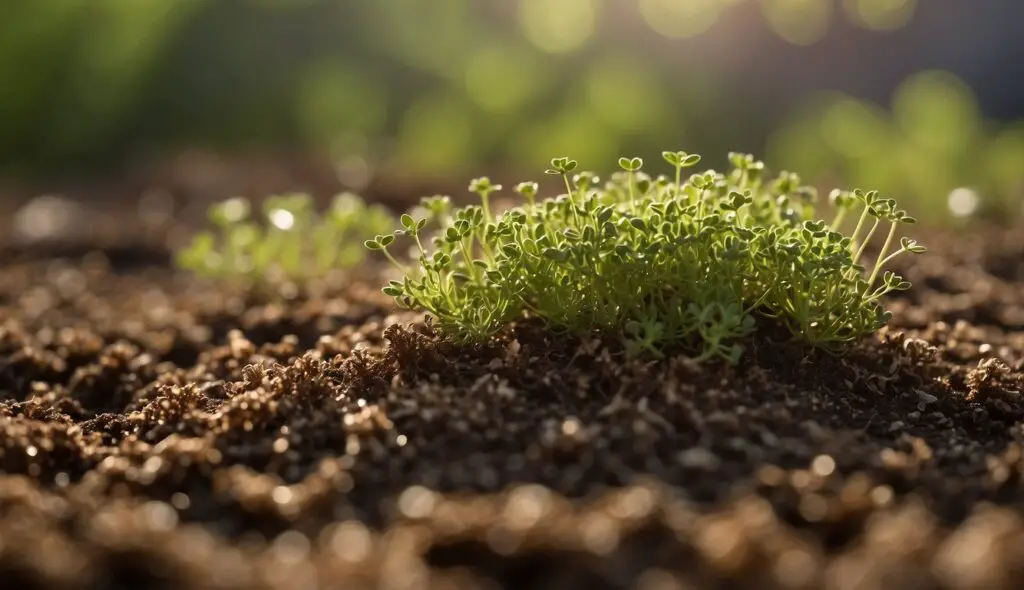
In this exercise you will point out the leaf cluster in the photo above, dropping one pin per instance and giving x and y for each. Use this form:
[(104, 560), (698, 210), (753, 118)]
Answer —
[(691, 259), (288, 239)]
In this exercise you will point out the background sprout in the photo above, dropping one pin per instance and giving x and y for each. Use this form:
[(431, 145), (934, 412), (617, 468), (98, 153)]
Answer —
[(290, 240)]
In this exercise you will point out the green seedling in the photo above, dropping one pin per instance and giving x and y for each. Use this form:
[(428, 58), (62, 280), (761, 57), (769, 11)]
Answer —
[(692, 261), (289, 239)]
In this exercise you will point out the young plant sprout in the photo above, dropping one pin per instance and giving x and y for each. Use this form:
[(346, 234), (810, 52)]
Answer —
[(685, 261), (290, 239)]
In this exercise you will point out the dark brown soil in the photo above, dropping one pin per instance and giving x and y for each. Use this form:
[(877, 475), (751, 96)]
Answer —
[(158, 432)]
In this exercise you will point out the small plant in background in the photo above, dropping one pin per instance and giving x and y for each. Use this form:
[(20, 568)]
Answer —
[(290, 239), (657, 260), (932, 146)]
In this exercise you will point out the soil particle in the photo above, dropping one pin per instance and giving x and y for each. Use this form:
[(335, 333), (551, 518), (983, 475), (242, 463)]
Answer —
[(160, 432)]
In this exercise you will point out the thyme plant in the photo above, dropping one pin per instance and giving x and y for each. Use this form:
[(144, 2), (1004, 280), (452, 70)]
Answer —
[(290, 239), (692, 259)]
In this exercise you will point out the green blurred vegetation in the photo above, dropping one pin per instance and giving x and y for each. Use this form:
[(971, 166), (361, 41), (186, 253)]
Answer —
[(288, 239), (442, 88), (931, 144), (73, 73)]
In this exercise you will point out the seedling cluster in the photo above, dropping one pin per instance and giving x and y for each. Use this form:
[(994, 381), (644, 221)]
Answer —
[(291, 240), (686, 259)]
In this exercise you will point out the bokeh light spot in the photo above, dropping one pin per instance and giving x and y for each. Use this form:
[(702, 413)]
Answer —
[(796, 146), (436, 136), (801, 22), (558, 27), (236, 209), (1004, 158), (282, 219), (924, 173), (624, 93), (962, 202), (502, 78), (680, 19), (881, 15), (45, 217), (577, 134), (937, 111), (336, 98), (852, 128)]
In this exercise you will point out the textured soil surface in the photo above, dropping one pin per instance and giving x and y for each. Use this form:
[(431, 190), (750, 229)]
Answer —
[(158, 432)]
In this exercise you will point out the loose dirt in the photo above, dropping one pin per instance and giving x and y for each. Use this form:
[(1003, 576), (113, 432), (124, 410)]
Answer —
[(161, 432)]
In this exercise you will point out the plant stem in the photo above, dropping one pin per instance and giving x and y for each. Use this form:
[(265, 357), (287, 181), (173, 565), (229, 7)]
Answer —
[(838, 220), (632, 199), (467, 255), (419, 244), (572, 201), (485, 200), (397, 264), (855, 236), (867, 238), (568, 187), (881, 255), (893, 255)]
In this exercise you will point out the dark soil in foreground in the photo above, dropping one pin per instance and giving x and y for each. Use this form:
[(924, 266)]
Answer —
[(156, 432)]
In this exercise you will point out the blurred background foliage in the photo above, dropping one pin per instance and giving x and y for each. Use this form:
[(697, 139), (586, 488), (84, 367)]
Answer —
[(931, 144), (916, 98)]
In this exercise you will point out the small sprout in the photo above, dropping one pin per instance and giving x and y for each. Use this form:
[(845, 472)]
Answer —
[(910, 245), (561, 166), (394, 289), (408, 223), (584, 180), (842, 199), (737, 200), (482, 186), (527, 189), (289, 240), (631, 164), (681, 159), (438, 206)]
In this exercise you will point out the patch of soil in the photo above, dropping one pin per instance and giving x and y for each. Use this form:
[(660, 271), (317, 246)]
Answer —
[(160, 432)]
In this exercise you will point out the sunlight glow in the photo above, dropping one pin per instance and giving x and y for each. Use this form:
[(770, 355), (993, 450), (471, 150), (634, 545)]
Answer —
[(236, 209), (852, 128), (1004, 155), (937, 110), (502, 78), (282, 219), (436, 135), (558, 27), (801, 22), (678, 20), (962, 202), (624, 94), (881, 15), (338, 97)]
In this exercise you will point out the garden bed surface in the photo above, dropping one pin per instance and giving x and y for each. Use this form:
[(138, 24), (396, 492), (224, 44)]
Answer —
[(156, 431)]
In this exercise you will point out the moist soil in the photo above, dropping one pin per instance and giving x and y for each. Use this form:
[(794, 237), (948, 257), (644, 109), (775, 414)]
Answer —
[(158, 431)]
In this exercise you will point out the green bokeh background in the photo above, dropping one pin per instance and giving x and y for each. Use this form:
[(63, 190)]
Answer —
[(445, 89)]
